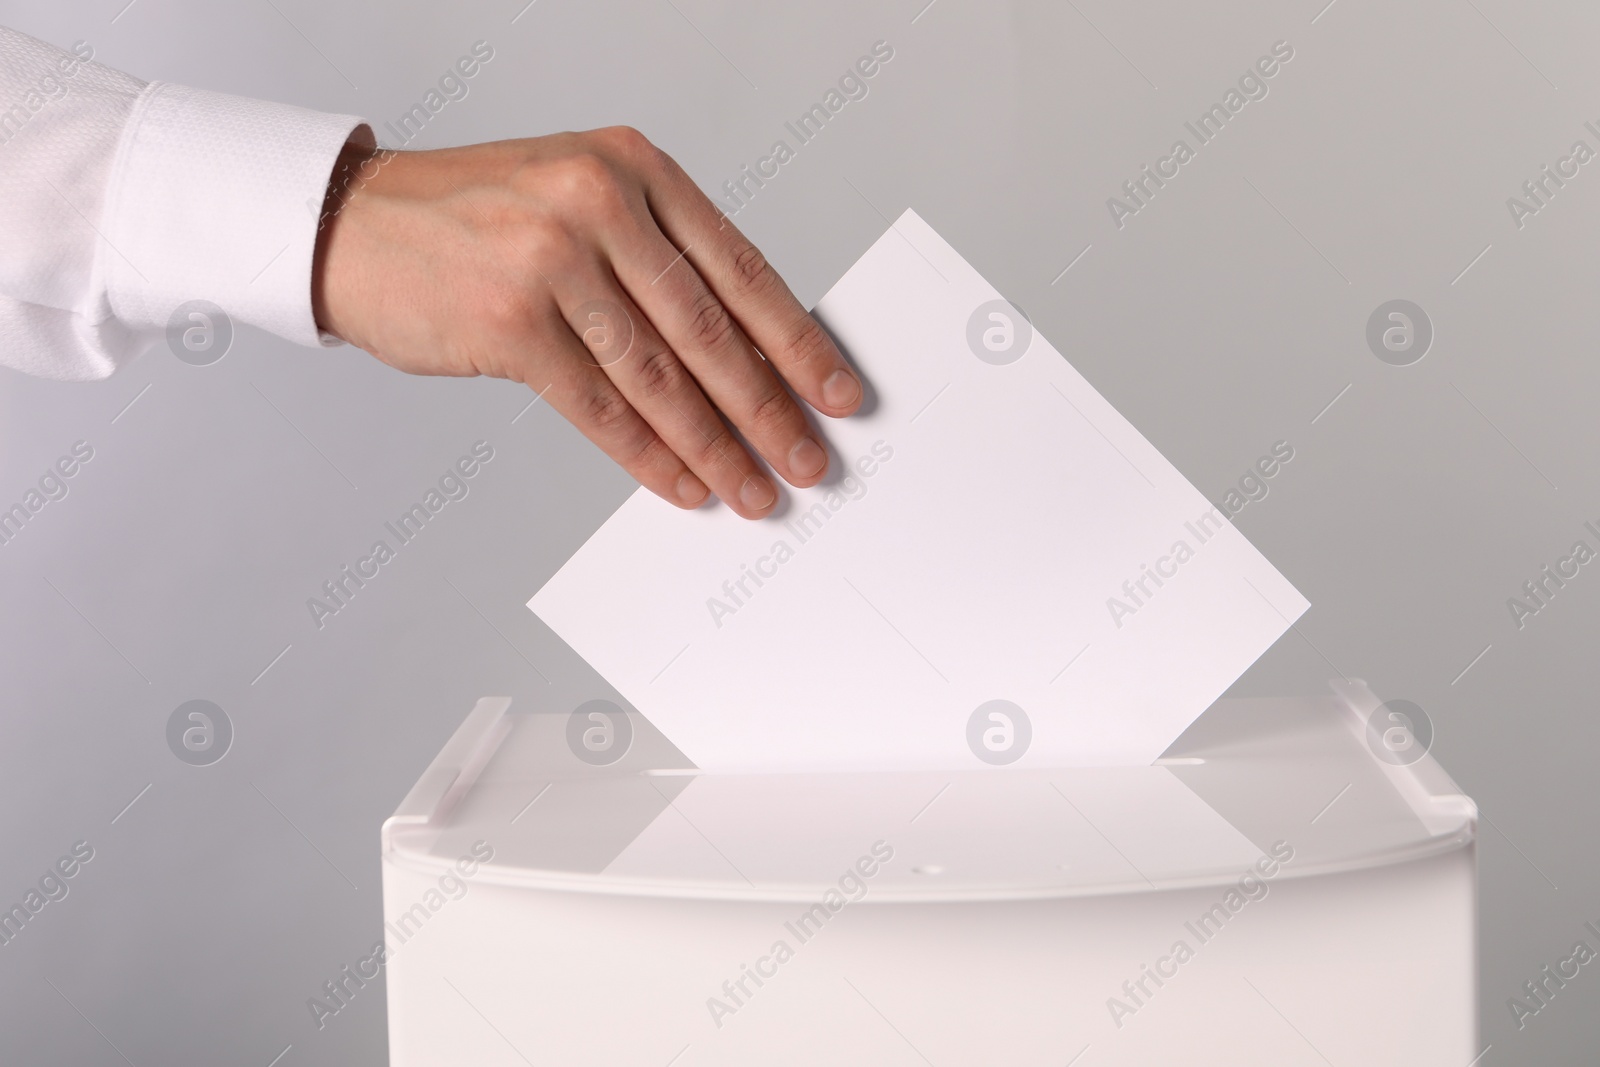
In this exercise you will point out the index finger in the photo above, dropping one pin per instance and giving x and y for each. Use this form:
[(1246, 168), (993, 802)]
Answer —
[(753, 293)]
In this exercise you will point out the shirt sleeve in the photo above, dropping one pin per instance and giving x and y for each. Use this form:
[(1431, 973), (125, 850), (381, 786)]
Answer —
[(127, 200)]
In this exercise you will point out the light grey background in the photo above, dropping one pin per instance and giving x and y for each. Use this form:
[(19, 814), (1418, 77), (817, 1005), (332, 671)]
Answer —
[(1224, 317)]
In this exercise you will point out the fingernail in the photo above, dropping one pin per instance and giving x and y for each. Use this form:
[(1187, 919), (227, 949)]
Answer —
[(807, 458), (691, 490), (756, 493), (841, 389)]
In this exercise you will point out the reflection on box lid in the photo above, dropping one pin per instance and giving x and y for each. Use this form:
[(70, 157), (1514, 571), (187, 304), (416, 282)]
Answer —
[(596, 799)]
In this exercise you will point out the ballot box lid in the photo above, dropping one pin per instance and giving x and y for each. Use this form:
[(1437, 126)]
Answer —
[(593, 799)]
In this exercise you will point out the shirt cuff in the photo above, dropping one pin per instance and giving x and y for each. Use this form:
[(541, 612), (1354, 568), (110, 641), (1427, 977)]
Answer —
[(218, 197)]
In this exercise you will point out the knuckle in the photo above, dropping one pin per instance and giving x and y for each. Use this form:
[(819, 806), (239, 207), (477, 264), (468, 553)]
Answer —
[(807, 342), (542, 245), (507, 309), (710, 325), (660, 373), (587, 182), (717, 448), (772, 412), (626, 139), (648, 452), (608, 412), (751, 271), (634, 147)]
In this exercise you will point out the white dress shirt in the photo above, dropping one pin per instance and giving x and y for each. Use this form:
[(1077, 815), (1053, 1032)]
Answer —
[(124, 200)]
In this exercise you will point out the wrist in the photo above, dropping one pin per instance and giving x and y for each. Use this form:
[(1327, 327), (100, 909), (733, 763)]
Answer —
[(357, 166)]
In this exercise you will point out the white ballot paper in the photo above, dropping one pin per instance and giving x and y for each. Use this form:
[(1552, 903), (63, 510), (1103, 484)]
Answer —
[(999, 569)]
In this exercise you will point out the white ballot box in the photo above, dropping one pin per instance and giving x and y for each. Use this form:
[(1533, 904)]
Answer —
[(1292, 883)]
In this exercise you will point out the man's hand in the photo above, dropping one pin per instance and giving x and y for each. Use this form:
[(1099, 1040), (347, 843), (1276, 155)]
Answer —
[(590, 268)]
